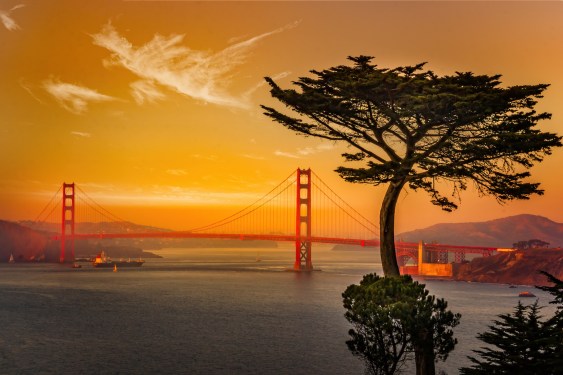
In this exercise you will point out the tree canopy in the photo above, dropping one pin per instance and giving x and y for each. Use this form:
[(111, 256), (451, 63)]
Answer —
[(523, 342), (518, 343), (393, 318), (408, 126), (556, 337)]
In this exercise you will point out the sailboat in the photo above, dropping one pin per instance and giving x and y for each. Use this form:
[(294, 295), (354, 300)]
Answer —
[(12, 260)]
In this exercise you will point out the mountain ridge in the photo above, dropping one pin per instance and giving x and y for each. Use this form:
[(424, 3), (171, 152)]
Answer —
[(501, 232)]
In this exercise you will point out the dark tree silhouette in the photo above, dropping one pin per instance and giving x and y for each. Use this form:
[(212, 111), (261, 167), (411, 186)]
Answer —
[(556, 290), (517, 343), (410, 127), (394, 317), (556, 337), (531, 244), (523, 343)]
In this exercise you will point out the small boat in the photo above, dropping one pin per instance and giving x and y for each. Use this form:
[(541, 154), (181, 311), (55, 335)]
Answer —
[(103, 261), (12, 260), (526, 294)]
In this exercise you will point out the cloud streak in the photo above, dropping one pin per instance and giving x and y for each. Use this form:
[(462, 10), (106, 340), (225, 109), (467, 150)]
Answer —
[(307, 151), (253, 157), (286, 154), (262, 83), (175, 196), (26, 87), (145, 91), (7, 20), (81, 134), (166, 62), (177, 172), (72, 97)]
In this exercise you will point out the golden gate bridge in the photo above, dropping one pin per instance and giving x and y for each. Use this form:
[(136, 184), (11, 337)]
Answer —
[(301, 209)]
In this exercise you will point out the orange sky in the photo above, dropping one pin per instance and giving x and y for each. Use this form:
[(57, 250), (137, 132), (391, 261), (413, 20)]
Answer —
[(153, 106)]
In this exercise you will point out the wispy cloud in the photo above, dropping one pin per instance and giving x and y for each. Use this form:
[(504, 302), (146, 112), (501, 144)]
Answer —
[(301, 152), (201, 75), (253, 157), (7, 20), (145, 90), (286, 154), (27, 88), (171, 195), (315, 150), (81, 134), (72, 97), (205, 157), (262, 83), (177, 172), (94, 187)]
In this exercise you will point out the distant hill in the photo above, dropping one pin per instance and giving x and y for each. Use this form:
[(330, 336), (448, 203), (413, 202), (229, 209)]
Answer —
[(24, 243), (87, 227), (495, 233), (29, 241), (142, 243), (519, 267)]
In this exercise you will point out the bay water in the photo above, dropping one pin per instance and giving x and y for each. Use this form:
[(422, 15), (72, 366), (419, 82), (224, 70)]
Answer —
[(209, 311)]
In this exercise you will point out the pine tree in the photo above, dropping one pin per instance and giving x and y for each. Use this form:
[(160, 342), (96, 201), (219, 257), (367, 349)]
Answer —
[(394, 318), (408, 127), (556, 290), (517, 343), (556, 337)]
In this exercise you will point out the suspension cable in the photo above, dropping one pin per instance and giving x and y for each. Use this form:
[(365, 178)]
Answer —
[(234, 216), (108, 215), (343, 201), (48, 204)]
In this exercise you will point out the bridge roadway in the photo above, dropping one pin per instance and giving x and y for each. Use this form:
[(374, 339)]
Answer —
[(405, 247)]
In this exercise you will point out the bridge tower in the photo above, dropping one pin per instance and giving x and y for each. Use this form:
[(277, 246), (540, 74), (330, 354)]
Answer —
[(67, 223), (303, 222)]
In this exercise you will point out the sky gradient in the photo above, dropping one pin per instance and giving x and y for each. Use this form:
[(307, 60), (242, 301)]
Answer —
[(152, 107)]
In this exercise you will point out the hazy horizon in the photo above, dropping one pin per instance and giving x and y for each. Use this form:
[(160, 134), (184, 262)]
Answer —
[(153, 107)]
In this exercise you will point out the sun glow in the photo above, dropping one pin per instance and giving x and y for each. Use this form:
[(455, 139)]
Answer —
[(155, 105)]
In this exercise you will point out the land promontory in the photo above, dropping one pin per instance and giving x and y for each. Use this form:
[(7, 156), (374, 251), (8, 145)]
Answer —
[(517, 267), (511, 267), (501, 232)]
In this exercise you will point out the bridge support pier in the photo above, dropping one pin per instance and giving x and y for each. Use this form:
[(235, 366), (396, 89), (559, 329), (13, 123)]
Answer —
[(303, 222), (67, 223), (459, 257)]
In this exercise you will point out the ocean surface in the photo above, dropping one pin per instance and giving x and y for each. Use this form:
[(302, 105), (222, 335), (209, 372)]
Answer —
[(208, 311)]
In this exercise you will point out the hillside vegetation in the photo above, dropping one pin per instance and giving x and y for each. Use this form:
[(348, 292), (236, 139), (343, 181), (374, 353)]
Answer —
[(494, 233), (519, 267)]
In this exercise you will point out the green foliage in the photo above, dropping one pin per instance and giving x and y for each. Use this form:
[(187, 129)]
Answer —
[(518, 344), (523, 343), (556, 290), (530, 244), (556, 337), (412, 126), (388, 314)]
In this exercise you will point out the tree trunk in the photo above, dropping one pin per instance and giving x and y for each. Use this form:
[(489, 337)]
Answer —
[(424, 354), (387, 229)]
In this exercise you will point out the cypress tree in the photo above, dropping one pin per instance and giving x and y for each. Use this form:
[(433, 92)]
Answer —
[(409, 127)]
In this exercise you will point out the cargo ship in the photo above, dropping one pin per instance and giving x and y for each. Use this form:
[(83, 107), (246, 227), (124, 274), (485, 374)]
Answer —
[(526, 294), (103, 261)]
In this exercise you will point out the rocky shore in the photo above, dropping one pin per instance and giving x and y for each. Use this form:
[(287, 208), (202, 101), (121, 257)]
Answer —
[(518, 267)]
